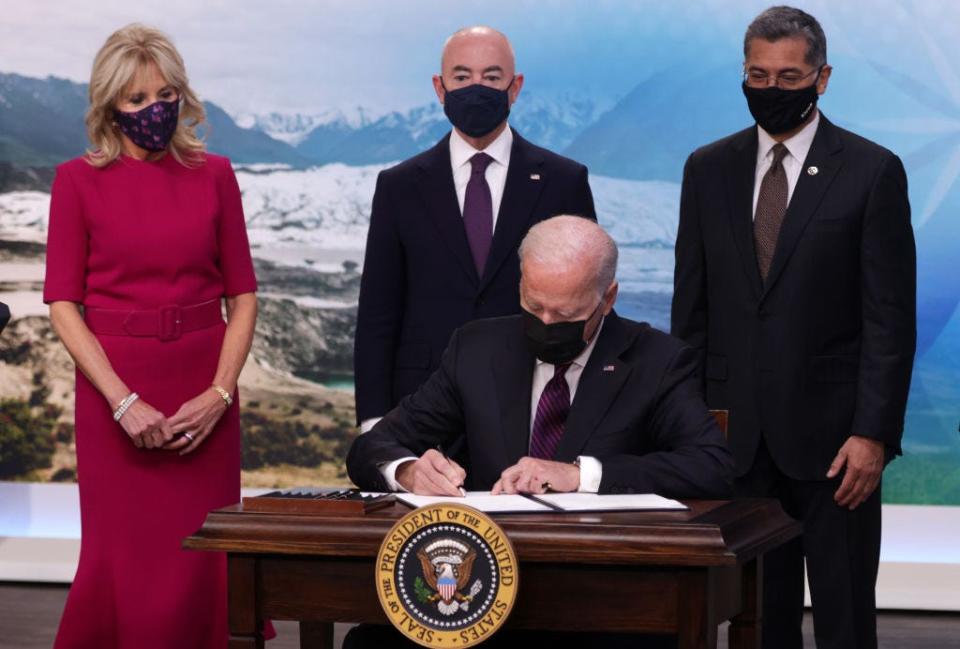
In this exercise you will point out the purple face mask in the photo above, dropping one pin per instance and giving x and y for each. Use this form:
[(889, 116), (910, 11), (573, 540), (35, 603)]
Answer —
[(150, 128)]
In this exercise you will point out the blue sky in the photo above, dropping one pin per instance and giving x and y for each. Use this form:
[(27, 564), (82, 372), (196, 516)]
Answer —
[(299, 56)]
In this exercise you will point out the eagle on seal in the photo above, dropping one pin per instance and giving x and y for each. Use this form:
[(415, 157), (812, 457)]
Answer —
[(447, 564)]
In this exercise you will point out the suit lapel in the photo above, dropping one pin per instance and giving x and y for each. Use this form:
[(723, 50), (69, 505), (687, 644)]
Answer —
[(435, 184), (741, 172), (512, 368), (525, 180), (807, 195), (600, 383)]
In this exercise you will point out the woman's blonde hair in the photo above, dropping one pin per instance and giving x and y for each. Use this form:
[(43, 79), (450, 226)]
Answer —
[(124, 54)]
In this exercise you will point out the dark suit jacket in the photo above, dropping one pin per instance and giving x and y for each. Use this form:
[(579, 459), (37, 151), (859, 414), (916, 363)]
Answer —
[(637, 409), (825, 348), (419, 281)]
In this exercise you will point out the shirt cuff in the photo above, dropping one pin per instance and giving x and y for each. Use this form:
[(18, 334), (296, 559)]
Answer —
[(591, 472), (367, 424), (389, 472)]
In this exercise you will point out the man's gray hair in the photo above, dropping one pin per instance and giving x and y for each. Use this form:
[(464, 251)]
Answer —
[(565, 242), (788, 22)]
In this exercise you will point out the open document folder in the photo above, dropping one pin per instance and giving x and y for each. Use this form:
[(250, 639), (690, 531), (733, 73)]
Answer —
[(551, 502)]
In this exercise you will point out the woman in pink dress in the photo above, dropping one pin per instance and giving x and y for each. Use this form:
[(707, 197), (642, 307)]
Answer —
[(147, 240)]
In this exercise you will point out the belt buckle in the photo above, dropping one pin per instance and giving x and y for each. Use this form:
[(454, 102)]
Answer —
[(170, 323)]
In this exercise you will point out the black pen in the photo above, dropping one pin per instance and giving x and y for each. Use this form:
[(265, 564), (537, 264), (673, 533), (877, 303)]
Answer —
[(463, 493)]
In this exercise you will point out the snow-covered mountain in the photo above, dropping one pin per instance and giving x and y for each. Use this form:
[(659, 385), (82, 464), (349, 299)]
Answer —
[(351, 135), (292, 128), (24, 216), (364, 136), (329, 206), (638, 213), (318, 218), (324, 207)]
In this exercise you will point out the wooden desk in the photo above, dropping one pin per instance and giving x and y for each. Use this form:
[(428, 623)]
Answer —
[(658, 572)]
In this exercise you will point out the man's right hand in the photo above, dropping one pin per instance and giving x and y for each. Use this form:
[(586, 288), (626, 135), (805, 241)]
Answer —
[(432, 475)]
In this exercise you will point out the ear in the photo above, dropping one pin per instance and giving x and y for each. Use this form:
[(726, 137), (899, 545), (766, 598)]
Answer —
[(824, 79), (610, 297), (515, 88), (438, 87)]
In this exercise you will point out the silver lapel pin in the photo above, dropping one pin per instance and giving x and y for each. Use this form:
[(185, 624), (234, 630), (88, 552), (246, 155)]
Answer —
[(534, 176), (812, 171)]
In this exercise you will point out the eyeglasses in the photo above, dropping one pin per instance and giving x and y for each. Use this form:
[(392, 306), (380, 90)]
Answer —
[(786, 80)]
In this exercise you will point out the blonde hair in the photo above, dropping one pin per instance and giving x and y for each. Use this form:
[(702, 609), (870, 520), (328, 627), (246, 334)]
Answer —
[(116, 65)]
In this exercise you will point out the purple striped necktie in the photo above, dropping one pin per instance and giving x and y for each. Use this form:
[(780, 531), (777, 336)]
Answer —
[(478, 211), (551, 417)]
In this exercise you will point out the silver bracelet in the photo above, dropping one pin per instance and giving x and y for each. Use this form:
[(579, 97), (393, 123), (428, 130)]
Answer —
[(125, 405)]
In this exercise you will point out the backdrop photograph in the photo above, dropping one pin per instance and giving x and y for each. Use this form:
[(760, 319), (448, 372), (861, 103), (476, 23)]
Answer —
[(310, 101)]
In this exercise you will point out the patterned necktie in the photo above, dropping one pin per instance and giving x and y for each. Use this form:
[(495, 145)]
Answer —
[(771, 206), (478, 211), (551, 415)]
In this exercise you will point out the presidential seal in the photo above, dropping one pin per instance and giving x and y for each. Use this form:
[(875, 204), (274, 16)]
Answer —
[(447, 576)]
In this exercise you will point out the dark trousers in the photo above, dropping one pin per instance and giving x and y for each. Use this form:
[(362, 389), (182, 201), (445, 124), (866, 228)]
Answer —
[(842, 551)]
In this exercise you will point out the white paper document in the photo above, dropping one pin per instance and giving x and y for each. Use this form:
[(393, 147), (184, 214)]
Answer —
[(553, 502), (481, 500), (581, 502)]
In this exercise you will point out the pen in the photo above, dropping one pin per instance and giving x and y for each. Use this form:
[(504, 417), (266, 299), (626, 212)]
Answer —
[(463, 493)]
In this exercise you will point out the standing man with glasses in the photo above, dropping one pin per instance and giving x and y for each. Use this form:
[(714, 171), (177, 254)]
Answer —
[(446, 224), (795, 279)]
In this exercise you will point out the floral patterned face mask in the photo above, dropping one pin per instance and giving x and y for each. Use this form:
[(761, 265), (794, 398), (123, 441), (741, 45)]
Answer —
[(150, 128)]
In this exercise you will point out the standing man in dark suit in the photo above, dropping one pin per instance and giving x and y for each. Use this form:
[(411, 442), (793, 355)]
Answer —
[(565, 396), (795, 280), (445, 226)]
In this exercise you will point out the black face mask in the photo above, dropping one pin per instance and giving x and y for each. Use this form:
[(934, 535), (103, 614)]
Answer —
[(476, 110), (556, 343), (777, 110)]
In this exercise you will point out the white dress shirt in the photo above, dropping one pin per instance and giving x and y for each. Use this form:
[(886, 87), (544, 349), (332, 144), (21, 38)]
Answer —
[(798, 146), (461, 152), (591, 471)]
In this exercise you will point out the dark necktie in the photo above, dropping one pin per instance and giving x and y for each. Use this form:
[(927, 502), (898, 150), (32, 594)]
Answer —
[(478, 211), (771, 206), (551, 418)]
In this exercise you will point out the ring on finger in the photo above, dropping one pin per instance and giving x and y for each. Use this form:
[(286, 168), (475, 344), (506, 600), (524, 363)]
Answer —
[(188, 436)]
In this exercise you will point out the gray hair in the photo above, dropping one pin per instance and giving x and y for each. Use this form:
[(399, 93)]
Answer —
[(788, 22), (564, 242)]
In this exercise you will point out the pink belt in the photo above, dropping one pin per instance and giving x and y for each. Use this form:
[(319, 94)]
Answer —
[(166, 323)]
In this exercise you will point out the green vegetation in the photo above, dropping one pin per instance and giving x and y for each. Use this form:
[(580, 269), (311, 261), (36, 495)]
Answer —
[(26, 437), (422, 592), (272, 441)]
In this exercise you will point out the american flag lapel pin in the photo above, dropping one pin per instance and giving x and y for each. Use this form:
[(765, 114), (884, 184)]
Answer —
[(608, 368), (534, 176)]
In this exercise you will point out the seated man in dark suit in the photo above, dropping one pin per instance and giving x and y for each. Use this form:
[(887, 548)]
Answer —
[(566, 396)]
